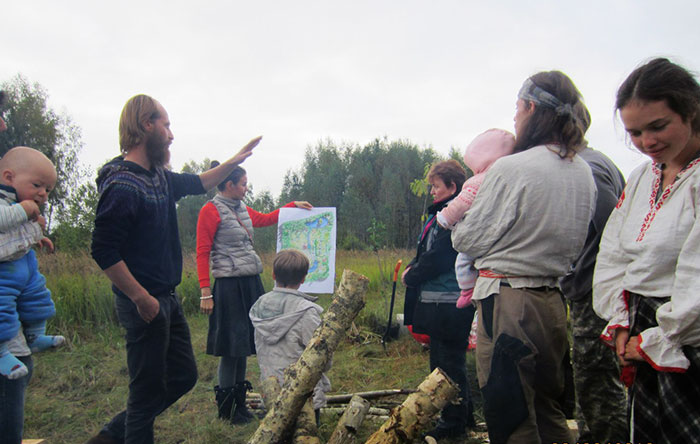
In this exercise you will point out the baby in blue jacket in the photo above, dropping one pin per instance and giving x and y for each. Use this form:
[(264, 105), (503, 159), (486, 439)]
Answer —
[(26, 178)]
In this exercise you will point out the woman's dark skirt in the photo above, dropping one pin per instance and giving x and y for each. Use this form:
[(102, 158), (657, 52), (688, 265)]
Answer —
[(665, 405), (230, 330)]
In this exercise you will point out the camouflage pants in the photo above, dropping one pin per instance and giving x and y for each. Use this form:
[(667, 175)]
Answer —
[(600, 396)]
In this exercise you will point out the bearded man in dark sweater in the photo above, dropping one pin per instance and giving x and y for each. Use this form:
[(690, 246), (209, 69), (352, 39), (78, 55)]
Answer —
[(136, 243)]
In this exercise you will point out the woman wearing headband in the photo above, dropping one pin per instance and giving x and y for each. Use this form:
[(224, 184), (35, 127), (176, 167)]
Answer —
[(526, 226), (647, 274)]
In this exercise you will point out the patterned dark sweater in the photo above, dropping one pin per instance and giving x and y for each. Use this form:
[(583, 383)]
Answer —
[(136, 222)]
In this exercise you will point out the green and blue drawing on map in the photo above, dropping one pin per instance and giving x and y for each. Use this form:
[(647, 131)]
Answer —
[(314, 233)]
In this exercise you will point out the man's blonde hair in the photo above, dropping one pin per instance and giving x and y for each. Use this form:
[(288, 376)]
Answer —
[(137, 111)]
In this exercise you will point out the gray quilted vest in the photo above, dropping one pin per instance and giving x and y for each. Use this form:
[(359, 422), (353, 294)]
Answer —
[(232, 253)]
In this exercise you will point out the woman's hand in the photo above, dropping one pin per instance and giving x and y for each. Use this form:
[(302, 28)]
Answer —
[(622, 336), (403, 276), (631, 352), (303, 204), (206, 303)]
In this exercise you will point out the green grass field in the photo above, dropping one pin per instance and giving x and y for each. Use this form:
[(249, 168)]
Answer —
[(77, 388)]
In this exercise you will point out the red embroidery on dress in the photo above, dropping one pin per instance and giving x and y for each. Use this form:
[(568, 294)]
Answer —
[(622, 199), (656, 206)]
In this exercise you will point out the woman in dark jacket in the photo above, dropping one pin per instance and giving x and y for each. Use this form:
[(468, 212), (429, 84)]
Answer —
[(431, 294)]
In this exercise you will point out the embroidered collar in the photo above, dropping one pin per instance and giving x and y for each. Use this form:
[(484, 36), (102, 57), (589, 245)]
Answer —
[(655, 201)]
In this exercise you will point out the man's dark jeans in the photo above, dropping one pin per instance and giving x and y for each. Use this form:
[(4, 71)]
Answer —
[(161, 367), (12, 404)]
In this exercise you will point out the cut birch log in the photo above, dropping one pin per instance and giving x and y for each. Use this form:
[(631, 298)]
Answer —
[(301, 377), (346, 429), (372, 411), (270, 390), (380, 419), (416, 412), (306, 431), (342, 399), (255, 404)]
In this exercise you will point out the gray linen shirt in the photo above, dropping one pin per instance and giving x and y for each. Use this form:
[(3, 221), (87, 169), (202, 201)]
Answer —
[(529, 220)]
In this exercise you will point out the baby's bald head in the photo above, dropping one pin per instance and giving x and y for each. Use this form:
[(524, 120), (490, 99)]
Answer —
[(30, 172)]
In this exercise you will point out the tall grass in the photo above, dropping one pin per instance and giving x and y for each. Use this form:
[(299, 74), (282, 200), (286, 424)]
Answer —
[(81, 292), (83, 296)]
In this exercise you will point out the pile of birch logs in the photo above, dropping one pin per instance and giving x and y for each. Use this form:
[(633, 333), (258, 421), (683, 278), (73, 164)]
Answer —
[(290, 417)]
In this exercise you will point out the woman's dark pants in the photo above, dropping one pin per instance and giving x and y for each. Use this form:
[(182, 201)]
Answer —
[(449, 337)]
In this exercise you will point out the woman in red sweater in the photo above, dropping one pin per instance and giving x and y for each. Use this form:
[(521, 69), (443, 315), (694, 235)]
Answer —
[(225, 243)]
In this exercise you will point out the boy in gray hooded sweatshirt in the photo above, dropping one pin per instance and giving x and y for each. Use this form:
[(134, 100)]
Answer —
[(284, 321)]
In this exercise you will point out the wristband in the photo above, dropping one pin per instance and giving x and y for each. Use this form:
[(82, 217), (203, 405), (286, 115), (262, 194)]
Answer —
[(202, 298)]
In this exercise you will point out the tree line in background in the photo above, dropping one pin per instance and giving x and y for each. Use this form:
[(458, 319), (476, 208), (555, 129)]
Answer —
[(379, 190)]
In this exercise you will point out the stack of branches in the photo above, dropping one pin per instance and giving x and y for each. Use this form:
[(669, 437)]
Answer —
[(290, 416), (382, 402)]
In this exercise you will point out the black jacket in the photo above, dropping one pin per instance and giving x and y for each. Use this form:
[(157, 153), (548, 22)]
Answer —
[(434, 260)]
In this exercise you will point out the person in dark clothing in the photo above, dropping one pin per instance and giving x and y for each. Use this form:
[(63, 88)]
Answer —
[(136, 243), (600, 395), (431, 294)]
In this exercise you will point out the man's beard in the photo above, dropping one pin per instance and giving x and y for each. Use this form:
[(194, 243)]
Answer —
[(157, 150)]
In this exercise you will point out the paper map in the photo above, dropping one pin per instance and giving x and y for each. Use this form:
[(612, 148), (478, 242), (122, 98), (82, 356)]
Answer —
[(313, 232)]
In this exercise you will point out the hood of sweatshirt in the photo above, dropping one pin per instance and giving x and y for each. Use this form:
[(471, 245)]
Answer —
[(274, 316)]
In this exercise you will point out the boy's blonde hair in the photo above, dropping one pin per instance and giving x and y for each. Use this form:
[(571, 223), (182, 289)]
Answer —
[(290, 267)]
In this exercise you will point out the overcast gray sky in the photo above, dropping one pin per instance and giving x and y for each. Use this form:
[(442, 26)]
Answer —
[(436, 73)]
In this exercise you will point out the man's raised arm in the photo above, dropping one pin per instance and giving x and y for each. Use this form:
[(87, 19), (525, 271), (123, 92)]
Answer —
[(215, 176)]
